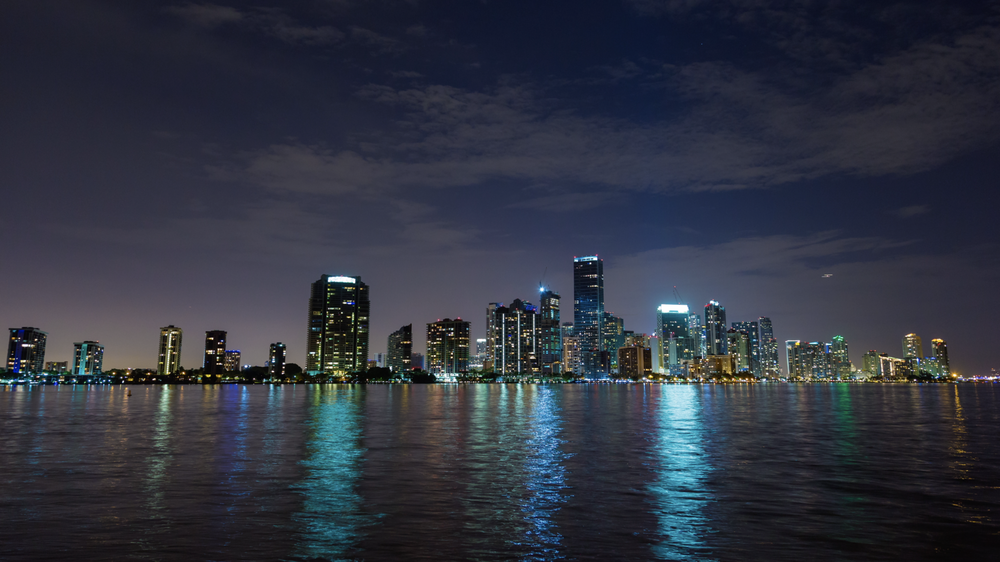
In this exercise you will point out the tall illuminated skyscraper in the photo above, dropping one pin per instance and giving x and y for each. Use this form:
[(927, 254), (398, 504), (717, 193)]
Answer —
[(337, 341), (448, 346), (276, 361), (715, 328), (913, 348), (673, 327), (752, 331), (940, 350), (612, 338), (839, 357), (514, 332), (26, 351), (588, 311), (169, 361), (549, 333), (738, 345), (232, 361), (769, 366), (215, 352), (88, 358), (400, 347)]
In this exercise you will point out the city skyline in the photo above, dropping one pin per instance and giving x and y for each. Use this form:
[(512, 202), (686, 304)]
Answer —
[(192, 163)]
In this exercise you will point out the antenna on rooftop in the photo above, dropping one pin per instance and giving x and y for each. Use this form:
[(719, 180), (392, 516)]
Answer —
[(677, 296)]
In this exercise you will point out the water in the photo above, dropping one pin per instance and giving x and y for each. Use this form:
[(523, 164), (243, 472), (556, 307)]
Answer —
[(501, 472)]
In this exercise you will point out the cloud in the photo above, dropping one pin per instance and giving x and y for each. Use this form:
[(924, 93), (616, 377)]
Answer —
[(911, 211), (206, 15), (270, 22), (380, 43)]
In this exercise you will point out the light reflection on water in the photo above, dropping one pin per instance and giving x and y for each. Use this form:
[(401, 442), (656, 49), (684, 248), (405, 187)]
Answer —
[(679, 493)]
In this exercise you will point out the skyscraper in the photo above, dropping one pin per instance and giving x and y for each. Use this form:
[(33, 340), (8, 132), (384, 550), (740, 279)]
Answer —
[(769, 366), (738, 345), (169, 361), (215, 352), (337, 341), (232, 361), (634, 362), (940, 349), (839, 358), (448, 346), (276, 361), (400, 347), (26, 351), (715, 328), (88, 358), (913, 348), (549, 333), (613, 338), (588, 311), (514, 332), (752, 331), (673, 327)]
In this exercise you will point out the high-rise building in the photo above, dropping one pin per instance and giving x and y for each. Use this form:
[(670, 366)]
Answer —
[(913, 348), (400, 348), (752, 331), (839, 357), (635, 362), (448, 346), (215, 352), (715, 328), (769, 366), (738, 345), (169, 361), (26, 351), (809, 360), (696, 330), (56, 366), (514, 332), (232, 360), (572, 358), (588, 312), (673, 327), (870, 363), (940, 349), (88, 358), (337, 342), (613, 338), (549, 333), (276, 361)]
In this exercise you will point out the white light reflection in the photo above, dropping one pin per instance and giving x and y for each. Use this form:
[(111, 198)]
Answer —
[(679, 493), (545, 476)]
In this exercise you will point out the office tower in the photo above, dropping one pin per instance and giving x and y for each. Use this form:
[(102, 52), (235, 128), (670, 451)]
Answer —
[(492, 329), (809, 360), (337, 342), (752, 331), (26, 351), (839, 358), (448, 346), (673, 327), (56, 366), (276, 361), (940, 350), (913, 348), (88, 358), (697, 333), (169, 361), (215, 352), (715, 328), (738, 344), (870, 363), (480, 357), (634, 362), (400, 348), (588, 311), (549, 333), (656, 349), (514, 332), (232, 360), (613, 338), (769, 366)]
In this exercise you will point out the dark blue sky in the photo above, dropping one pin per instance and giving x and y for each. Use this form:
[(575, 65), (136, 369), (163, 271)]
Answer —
[(199, 164)]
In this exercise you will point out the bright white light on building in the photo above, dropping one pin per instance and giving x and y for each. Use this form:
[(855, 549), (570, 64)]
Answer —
[(674, 308), (588, 258), (341, 279)]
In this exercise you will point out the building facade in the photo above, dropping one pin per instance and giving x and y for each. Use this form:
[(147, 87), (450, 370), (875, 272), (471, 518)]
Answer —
[(752, 331), (913, 347), (215, 352), (169, 359), (337, 341), (26, 351), (939, 348), (448, 346), (88, 358), (635, 362), (232, 360), (588, 312), (549, 333), (400, 347), (769, 366), (276, 360), (612, 338), (715, 329), (514, 331), (674, 330)]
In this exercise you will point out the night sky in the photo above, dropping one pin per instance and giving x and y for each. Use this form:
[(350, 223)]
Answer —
[(200, 164)]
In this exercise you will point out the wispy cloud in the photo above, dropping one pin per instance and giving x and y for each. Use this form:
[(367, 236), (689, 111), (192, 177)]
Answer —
[(911, 211), (265, 20)]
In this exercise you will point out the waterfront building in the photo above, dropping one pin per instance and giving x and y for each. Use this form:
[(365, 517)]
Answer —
[(655, 344), (674, 328), (738, 344), (940, 350), (88, 358), (635, 362), (26, 351), (913, 348), (169, 359), (57, 366), (232, 360), (549, 333), (894, 368), (514, 332), (337, 341), (769, 366), (696, 330), (715, 329), (215, 352), (588, 312), (752, 330), (713, 366), (870, 363), (448, 346), (839, 358), (400, 346), (276, 361), (613, 338)]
